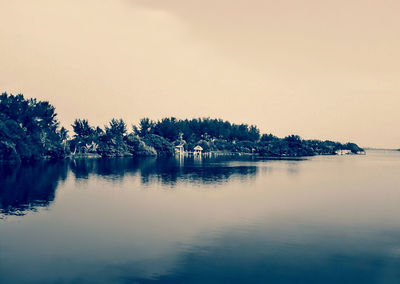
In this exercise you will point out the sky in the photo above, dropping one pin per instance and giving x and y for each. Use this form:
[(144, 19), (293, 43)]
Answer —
[(319, 69)]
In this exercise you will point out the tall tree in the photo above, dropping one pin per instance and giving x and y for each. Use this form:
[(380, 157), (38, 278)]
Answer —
[(145, 127), (28, 129)]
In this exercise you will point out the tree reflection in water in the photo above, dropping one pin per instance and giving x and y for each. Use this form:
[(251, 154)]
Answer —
[(29, 186), (168, 171)]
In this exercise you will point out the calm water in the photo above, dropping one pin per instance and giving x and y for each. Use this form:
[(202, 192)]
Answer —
[(321, 220)]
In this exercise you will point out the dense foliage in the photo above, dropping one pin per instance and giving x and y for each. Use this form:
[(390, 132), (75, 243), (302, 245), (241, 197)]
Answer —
[(220, 135), (29, 130), (197, 129), (115, 141)]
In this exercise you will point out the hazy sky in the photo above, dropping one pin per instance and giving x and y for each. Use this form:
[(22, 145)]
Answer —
[(320, 69)]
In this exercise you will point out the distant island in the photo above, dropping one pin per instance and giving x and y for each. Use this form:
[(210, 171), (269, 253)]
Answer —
[(29, 130)]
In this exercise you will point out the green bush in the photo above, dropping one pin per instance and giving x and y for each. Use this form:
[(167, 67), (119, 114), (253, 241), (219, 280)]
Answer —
[(138, 148), (160, 144)]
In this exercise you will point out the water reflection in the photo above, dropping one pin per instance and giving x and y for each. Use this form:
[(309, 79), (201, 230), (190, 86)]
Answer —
[(205, 171), (110, 168), (167, 171), (324, 220), (27, 187)]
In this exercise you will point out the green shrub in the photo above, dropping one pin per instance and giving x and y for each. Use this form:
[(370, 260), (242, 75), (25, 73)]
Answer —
[(160, 144)]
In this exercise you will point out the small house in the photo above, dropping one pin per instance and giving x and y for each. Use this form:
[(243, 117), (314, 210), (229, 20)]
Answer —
[(198, 150), (343, 152)]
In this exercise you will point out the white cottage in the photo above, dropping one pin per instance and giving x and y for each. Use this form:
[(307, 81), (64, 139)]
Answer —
[(343, 152), (198, 150)]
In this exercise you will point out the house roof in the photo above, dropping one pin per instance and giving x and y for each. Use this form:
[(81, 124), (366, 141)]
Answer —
[(198, 148)]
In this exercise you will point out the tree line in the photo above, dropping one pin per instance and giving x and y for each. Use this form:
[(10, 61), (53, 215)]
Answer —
[(29, 130)]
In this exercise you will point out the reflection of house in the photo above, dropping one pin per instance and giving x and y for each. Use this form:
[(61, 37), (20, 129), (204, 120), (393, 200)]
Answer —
[(343, 152), (197, 150), (179, 149)]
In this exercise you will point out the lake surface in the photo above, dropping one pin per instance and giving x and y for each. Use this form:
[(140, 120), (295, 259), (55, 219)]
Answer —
[(327, 219)]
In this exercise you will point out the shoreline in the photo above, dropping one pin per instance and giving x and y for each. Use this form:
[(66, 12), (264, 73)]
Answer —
[(203, 155)]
